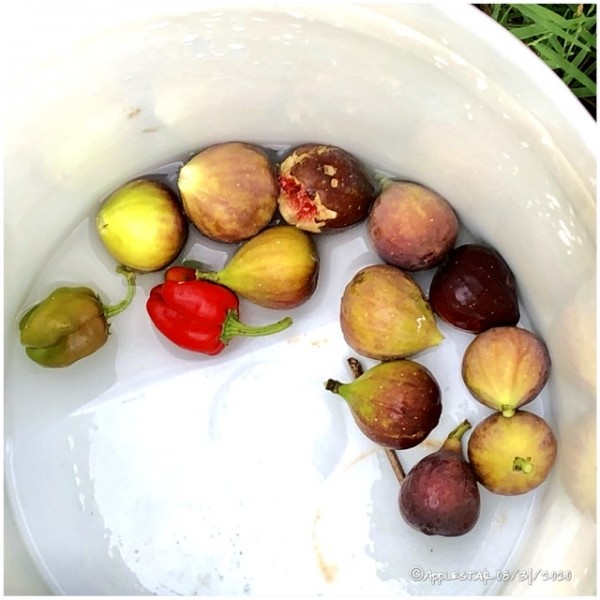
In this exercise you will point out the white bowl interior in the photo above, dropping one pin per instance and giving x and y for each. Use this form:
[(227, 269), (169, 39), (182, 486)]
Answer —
[(421, 92)]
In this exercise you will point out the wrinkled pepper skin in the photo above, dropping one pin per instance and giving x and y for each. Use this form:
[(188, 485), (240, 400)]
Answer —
[(68, 325), (199, 315)]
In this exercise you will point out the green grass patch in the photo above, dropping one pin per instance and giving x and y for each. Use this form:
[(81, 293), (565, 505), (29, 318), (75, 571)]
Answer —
[(562, 35)]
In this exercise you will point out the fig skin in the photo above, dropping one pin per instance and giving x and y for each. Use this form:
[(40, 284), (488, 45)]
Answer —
[(474, 289), (440, 494), (277, 268), (411, 226), (229, 191), (384, 315), (512, 455), (324, 188), (142, 225), (505, 368), (396, 404)]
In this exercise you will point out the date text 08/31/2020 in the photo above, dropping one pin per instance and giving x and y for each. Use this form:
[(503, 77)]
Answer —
[(529, 576)]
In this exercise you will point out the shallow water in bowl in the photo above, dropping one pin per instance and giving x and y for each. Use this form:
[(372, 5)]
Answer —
[(147, 469)]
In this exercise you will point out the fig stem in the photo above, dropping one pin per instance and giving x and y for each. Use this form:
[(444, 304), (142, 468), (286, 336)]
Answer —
[(233, 327), (213, 276), (395, 464), (522, 464), (355, 367), (453, 441), (331, 385), (111, 310), (357, 371), (507, 410)]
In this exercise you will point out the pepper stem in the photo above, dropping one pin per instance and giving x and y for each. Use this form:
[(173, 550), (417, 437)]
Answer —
[(233, 327), (522, 464), (453, 441), (112, 310)]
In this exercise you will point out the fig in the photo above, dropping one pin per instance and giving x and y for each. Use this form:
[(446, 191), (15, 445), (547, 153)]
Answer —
[(505, 368), (142, 225), (395, 404), (474, 289), (278, 268), (323, 188), (512, 455), (411, 226), (229, 191), (384, 315), (440, 494)]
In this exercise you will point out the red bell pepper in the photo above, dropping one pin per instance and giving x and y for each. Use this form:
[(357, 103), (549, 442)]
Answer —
[(200, 315)]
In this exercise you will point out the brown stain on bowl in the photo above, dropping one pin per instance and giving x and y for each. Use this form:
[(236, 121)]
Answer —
[(329, 569)]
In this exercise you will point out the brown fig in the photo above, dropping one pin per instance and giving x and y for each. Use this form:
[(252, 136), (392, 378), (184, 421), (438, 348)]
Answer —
[(396, 404), (440, 495), (323, 187), (229, 191), (411, 226)]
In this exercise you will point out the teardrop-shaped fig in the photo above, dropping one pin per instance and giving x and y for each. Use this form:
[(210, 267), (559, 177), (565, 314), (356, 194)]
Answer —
[(474, 289), (323, 187), (396, 404), (512, 455), (278, 268), (440, 495), (411, 226), (505, 368), (384, 314), (229, 190), (142, 225)]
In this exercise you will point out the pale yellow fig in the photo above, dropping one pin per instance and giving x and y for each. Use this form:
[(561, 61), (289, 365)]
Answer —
[(142, 225)]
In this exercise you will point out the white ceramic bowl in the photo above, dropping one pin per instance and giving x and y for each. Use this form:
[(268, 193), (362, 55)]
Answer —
[(140, 470)]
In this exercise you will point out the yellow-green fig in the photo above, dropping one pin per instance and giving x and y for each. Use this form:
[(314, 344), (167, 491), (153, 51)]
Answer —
[(142, 225), (384, 314), (512, 455), (506, 367), (278, 268)]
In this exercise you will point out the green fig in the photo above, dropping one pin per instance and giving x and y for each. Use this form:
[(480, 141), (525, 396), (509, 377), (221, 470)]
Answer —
[(384, 314), (278, 268), (229, 191), (396, 404), (512, 455), (439, 495), (505, 367), (142, 225)]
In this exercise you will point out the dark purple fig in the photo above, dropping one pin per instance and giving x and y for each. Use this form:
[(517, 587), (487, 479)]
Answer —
[(474, 289), (412, 227), (439, 495), (323, 187), (396, 404)]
